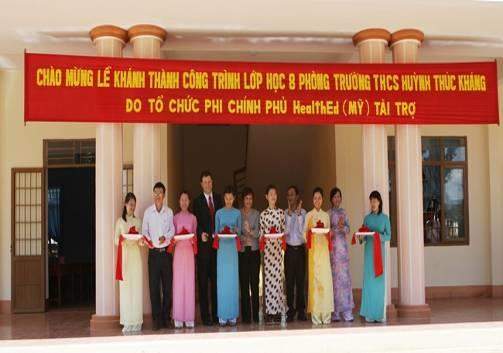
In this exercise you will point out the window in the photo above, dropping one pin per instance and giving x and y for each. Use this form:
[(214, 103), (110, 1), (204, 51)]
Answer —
[(28, 208), (69, 153), (445, 198), (127, 179), (54, 214)]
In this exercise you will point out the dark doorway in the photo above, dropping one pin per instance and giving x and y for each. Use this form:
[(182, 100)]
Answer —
[(71, 236)]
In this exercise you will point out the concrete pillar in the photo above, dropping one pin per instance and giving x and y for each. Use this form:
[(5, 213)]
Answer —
[(405, 44), (372, 45), (109, 41), (147, 150)]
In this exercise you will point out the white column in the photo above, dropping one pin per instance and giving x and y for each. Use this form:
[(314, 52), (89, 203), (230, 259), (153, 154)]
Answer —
[(372, 45), (109, 41), (405, 45), (494, 147), (147, 163)]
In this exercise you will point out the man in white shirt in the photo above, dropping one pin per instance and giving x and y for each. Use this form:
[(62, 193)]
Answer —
[(158, 225)]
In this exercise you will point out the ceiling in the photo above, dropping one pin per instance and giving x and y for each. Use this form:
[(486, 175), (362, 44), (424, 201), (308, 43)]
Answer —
[(272, 30)]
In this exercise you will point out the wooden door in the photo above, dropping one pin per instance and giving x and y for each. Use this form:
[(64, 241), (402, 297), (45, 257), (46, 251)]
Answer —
[(28, 240)]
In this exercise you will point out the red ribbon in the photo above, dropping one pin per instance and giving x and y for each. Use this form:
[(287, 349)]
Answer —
[(226, 230), (263, 239), (319, 224), (378, 267), (171, 247), (353, 239), (215, 241), (329, 238), (118, 267), (261, 244), (194, 245), (148, 241), (362, 229), (238, 244), (309, 238), (193, 240)]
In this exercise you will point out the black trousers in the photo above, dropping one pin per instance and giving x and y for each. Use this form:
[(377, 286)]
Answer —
[(206, 276), (249, 271), (295, 273), (160, 278)]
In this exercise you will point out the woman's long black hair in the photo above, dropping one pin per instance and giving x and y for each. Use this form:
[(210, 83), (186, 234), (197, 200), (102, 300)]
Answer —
[(128, 198), (376, 195)]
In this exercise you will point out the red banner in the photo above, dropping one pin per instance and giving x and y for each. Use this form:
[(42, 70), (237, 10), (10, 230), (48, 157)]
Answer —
[(103, 89)]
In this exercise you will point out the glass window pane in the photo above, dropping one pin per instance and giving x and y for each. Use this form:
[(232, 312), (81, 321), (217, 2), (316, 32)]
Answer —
[(454, 149), (430, 148), (454, 203), (431, 204)]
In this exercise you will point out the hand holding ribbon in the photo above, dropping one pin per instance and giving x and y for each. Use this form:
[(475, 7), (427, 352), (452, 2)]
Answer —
[(378, 265), (225, 230), (171, 247), (273, 230), (362, 229), (193, 240)]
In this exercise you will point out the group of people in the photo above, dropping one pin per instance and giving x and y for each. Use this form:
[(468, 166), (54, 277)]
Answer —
[(227, 251)]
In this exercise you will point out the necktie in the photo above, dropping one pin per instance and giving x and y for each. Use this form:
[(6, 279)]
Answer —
[(212, 213)]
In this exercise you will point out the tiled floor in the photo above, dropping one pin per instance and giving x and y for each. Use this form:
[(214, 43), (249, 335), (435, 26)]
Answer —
[(75, 322)]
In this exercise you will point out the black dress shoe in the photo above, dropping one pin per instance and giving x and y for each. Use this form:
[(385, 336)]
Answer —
[(246, 320), (207, 323), (155, 326), (289, 318)]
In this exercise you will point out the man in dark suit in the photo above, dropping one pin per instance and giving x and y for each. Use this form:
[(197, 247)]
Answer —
[(205, 206)]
